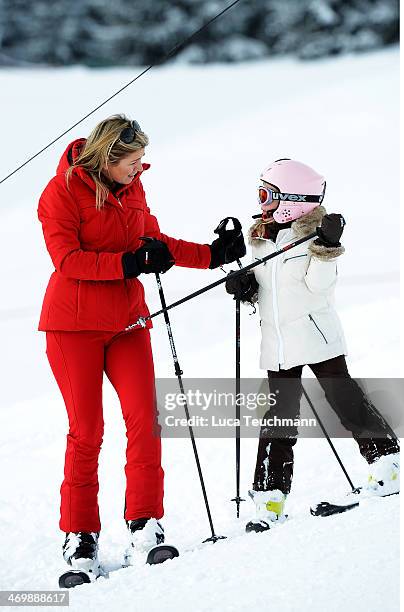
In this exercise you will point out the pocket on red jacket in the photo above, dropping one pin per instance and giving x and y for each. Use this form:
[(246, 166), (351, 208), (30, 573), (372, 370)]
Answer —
[(87, 314), (90, 223)]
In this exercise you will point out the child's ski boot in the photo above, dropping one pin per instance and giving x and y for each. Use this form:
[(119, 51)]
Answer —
[(269, 507)]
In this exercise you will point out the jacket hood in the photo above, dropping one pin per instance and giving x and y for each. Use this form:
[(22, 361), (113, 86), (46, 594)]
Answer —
[(70, 154)]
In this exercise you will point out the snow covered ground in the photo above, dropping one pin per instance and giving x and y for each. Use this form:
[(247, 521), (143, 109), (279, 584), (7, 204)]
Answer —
[(212, 130)]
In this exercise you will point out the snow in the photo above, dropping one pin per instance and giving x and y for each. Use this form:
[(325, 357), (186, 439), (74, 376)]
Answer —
[(211, 130)]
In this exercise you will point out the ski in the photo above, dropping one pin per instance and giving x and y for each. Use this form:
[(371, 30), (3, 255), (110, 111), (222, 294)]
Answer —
[(155, 555), (328, 509), (75, 577), (257, 526), (162, 552)]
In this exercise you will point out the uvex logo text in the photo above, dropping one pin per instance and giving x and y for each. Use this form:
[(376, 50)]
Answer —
[(289, 196)]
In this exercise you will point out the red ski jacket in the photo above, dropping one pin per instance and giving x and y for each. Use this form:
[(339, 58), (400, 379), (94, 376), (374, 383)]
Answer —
[(87, 290)]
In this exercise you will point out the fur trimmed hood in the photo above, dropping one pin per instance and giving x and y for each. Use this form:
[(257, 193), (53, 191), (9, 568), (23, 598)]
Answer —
[(302, 227)]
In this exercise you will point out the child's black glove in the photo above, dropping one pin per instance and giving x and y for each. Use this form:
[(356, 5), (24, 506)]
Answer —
[(242, 286), (331, 230)]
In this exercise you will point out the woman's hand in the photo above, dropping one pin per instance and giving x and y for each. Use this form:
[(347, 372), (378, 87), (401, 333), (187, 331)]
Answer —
[(229, 246), (153, 257)]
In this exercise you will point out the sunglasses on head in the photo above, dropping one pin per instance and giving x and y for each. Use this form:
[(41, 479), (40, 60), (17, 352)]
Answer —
[(267, 196), (128, 134)]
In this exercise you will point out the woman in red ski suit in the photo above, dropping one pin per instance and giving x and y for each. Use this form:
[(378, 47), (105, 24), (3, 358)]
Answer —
[(93, 213)]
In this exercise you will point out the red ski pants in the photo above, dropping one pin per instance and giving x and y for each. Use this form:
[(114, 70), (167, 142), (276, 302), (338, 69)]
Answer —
[(78, 360)]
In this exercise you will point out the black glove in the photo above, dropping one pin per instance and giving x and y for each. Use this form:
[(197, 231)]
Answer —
[(331, 230), (242, 286), (229, 246), (152, 257)]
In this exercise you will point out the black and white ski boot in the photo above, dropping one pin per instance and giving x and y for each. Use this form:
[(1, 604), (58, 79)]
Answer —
[(269, 506), (146, 536), (80, 551)]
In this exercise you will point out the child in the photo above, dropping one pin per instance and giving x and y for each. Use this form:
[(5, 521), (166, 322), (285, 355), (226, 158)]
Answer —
[(299, 326)]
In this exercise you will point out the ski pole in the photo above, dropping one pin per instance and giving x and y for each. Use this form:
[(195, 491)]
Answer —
[(238, 499), (354, 489), (179, 373), (221, 232), (141, 322)]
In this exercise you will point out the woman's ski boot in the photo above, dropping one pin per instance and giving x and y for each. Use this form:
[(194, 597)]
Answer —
[(147, 537), (80, 550)]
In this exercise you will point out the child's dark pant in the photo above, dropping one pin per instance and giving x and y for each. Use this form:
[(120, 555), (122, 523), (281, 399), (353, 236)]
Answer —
[(274, 468)]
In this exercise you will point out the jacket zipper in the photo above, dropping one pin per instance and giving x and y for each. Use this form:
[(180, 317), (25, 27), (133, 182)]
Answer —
[(281, 356), (78, 300), (313, 321), (126, 248), (126, 225)]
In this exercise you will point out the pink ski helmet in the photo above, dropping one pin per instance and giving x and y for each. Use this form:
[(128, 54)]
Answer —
[(301, 188)]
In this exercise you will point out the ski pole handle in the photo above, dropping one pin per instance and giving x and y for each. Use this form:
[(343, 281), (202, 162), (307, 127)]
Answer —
[(222, 227)]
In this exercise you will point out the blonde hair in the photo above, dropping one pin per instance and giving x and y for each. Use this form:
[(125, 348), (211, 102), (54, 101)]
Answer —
[(103, 147)]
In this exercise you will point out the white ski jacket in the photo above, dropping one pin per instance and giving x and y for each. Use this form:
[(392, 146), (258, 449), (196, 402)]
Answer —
[(299, 324)]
